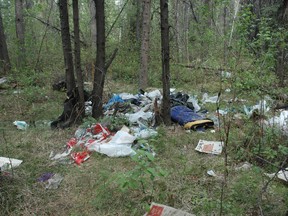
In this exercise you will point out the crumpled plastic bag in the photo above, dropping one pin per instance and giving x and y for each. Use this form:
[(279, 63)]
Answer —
[(21, 125), (207, 99), (134, 117), (54, 182), (118, 146)]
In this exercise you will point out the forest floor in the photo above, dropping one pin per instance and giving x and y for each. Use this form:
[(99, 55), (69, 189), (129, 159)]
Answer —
[(92, 187)]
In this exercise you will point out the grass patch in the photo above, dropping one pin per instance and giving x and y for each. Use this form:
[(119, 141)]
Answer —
[(94, 189)]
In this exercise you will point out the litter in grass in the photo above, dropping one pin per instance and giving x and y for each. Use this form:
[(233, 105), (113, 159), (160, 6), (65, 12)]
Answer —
[(211, 173), (163, 210), (3, 80), (209, 147), (9, 163), (244, 166), (54, 182), (21, 125), (282, 174), (45, 177)]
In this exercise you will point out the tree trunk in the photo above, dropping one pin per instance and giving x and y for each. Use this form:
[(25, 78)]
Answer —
[(66, 43), (99, 76), (93, 23), (282, 54), (283, 12), (144, 55), (4, 56), (165, 62), (176, 35), (20, 31), (78, 58)]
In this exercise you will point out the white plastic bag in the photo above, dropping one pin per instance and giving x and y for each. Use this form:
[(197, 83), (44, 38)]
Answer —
[(119, 145)]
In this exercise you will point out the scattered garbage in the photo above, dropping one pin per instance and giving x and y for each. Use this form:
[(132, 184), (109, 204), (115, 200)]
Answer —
[(80, 157), (134, 117), (9, 163), (211, 173), (244, 166), (45, 177), (163, 210), (3, 80), (210, 147), (194, 101), (54, 182), (119, 146), (115, 99), (21, 125), (207, 99), (261, 107), (279, 121), (144, 133), (88, 108), (189, 119), (282, 174), (226, 74), (153, 94)]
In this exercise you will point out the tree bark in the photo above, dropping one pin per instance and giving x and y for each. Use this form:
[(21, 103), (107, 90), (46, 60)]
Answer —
[(99, 76), (93, 23), (5, 65), (144, 55), (165, 62), (282, 54), (20, 31), (77, 53), (66, 43)]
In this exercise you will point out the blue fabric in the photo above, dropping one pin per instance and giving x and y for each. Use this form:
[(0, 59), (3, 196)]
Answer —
[(183, 115)]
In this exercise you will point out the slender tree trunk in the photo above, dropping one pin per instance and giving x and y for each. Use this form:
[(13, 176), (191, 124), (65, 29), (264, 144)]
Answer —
[(138, 18), (144, 55), (165, 62), (93, 23), (78, 58), (176, 26), (282, 54), (66, 43), (20, 31), (99, 76), (5, 65)]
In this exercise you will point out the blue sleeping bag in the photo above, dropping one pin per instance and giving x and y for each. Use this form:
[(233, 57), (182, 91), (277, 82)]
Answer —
[(188, 118)]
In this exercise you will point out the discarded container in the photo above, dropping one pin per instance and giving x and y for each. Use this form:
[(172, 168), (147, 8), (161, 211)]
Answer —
[(21, 125), (209, 147), (163, 210)]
